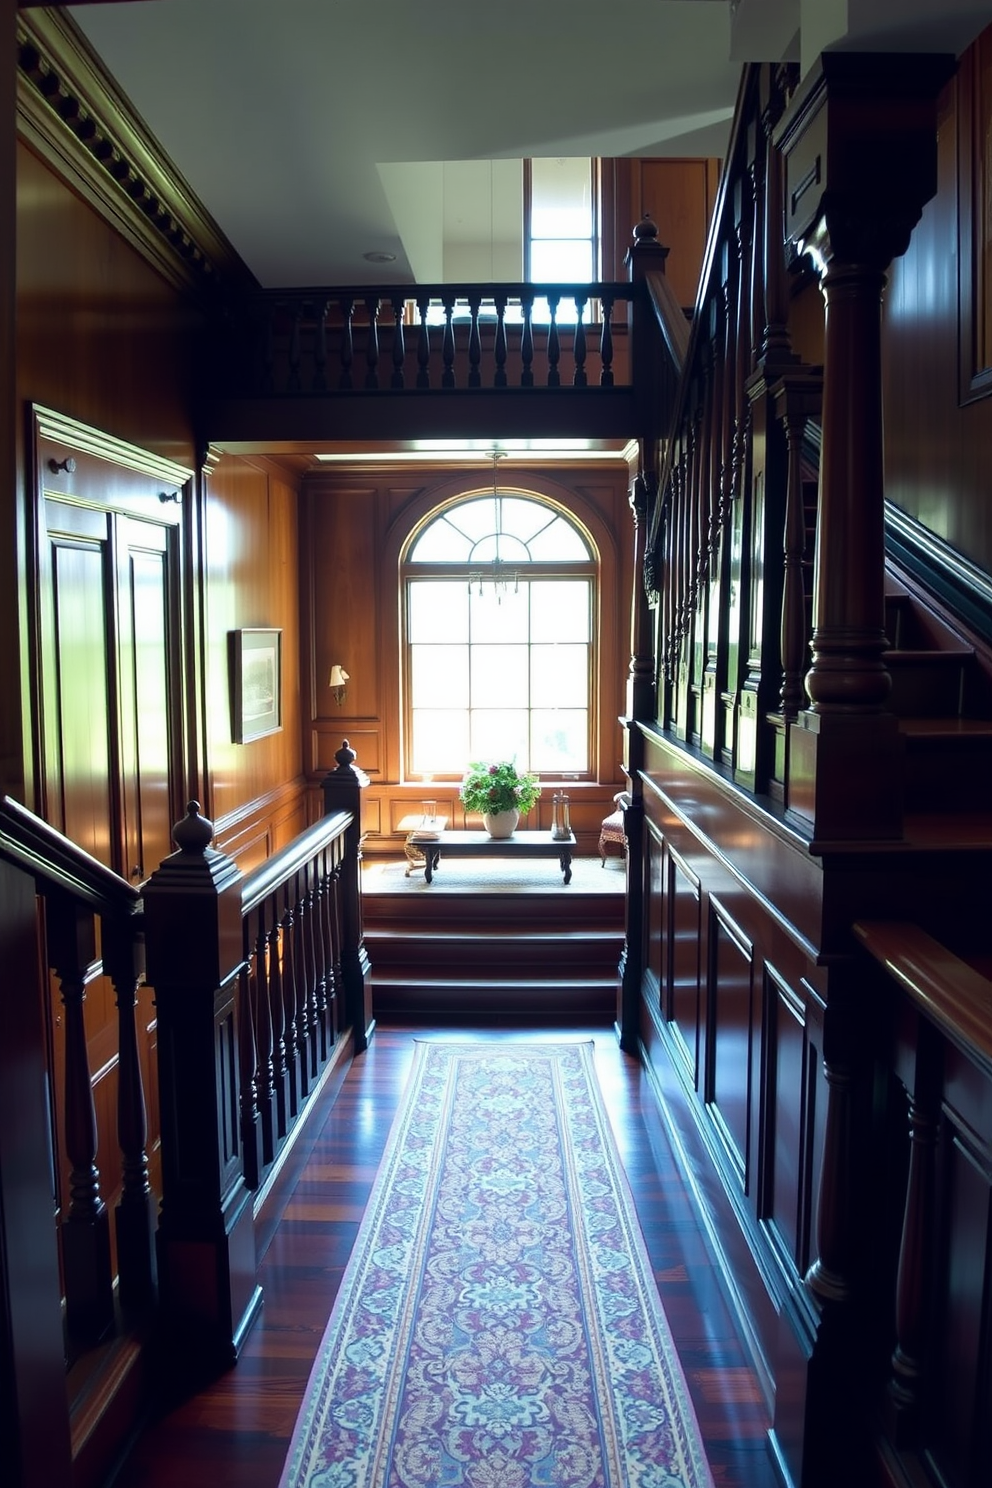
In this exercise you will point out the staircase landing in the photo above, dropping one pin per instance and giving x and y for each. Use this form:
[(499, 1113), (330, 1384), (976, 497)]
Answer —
[(485, 941)]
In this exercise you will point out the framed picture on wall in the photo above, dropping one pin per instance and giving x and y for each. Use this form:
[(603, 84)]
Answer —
[(256, 684)]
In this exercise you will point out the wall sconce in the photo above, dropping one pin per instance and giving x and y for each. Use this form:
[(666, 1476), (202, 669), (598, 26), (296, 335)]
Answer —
[(337, 683)]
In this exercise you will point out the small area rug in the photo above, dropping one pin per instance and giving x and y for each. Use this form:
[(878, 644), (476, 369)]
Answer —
[(498, 1325)]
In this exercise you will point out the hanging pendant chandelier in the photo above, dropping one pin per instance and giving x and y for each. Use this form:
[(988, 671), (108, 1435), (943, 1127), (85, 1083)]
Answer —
[(498, 574)]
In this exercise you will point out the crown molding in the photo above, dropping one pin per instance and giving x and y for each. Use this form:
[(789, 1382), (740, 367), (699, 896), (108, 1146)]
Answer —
[(72, 113)]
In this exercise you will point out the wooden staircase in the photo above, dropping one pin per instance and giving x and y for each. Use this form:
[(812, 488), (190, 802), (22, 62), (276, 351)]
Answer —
[(539, 954)]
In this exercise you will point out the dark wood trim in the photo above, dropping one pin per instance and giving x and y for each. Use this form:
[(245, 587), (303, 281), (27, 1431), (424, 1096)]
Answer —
[(74, 116), (974, 233)]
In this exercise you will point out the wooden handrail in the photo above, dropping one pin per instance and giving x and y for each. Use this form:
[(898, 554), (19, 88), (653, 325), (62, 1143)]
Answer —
[(952, 994), (42, 851), (278, 869), (671, 317)]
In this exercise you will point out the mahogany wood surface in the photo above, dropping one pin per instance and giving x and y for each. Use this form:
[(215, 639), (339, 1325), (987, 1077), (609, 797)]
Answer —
[(237, 1430)]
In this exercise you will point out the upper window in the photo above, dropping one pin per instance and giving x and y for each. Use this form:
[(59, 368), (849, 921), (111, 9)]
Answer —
[(560, 221), (499, 616)]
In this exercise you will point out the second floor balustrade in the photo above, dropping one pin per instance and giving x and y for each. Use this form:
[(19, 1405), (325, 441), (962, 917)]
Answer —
[(554, 358)]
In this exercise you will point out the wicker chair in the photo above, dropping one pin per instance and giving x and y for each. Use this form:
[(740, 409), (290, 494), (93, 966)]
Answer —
[(612, 838)]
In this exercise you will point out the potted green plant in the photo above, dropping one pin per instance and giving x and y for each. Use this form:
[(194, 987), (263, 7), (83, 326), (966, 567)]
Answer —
[(500, 793)]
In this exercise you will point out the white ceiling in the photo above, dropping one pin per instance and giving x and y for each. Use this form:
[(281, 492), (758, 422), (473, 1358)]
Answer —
[(315, 131)]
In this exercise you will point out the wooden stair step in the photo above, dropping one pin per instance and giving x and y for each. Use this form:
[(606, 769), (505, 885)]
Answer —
[(948, 764)]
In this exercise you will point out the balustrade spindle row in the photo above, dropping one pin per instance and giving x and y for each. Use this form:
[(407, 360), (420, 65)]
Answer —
[(289, 999), (309, 343), (720, 520)]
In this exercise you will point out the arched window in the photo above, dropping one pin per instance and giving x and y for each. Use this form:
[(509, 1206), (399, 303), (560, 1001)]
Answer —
[(500, 596)]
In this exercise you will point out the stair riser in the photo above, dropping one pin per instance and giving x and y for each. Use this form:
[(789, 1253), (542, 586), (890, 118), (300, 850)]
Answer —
[(473, 965), (951, 775), (465, 1002)]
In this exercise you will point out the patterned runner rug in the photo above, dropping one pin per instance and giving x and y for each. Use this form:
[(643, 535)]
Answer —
[(498, 1325)]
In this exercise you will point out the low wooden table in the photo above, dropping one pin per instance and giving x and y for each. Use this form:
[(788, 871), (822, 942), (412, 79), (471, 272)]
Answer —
[(461, 844), (412, 825)]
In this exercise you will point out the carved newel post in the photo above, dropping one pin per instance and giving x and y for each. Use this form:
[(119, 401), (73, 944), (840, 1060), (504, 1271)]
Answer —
[(194, 956), (342, 788), (860, 145)]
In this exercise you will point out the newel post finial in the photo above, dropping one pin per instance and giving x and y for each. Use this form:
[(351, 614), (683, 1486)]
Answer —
[(646, 252), (342, 791)]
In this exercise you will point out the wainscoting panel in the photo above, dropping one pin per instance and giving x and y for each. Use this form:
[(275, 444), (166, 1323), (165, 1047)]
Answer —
[(730, 1001), (683, 1003)]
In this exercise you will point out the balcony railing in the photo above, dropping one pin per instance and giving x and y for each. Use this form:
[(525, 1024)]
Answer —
[(427, 337)]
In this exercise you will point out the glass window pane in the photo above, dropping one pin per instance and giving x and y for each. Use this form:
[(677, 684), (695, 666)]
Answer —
[(559, 740), (500, 676), (439, 744), (560, 676), (438, 610), (502, 616), (439, 676), (558, 543), (440, 543), (561, 197), (508, 549), (560, 261), (560, 610), (499, 733)]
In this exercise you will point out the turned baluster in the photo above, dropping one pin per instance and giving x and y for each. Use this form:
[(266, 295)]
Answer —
[(711, 394), (794, 408), (135, 1217), (277, 1002), (320, 348), (86, 1260), (304, 964), (264, 1063), (448, 343), (295, 1034), (726, 366), (293, 379), (347, 354), (554, 345), (474, 342), (399, 345), (499, 342), (321, 955), (318, 983), (914, 1274), (527, 340), (745, 349), (579, 378), (372, 343), (336, 987), (606, 343), (423, 344), (302, 990), (248, 1059), (776, 346)]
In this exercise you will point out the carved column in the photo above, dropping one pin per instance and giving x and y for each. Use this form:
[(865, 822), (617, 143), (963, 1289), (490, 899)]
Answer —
[(194, 956), (860, 145), (641, 675)]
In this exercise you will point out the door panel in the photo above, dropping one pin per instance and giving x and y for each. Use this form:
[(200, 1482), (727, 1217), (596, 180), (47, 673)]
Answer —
[(143, 565)]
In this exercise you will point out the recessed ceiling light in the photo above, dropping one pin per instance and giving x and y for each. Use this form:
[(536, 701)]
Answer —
[(379, 257)]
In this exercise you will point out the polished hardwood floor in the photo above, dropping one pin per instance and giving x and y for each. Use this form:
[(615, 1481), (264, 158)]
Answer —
[(236, 1430)]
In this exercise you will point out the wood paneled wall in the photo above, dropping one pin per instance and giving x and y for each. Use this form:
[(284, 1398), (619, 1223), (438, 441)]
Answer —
[(250, 547), (678, 195), (936, 441), (353, 530), (103, 338)]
